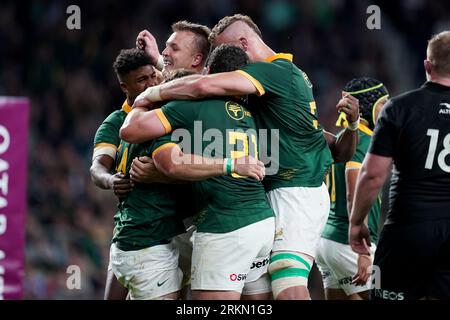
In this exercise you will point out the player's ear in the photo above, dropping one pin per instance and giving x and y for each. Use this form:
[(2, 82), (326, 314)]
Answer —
[(124, 87), (244, 43), (197, 60), (427, 66)]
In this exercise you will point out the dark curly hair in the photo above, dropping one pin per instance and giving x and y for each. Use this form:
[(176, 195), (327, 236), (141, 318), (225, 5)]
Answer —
[(129, 60), (368, 91), (227, 58)]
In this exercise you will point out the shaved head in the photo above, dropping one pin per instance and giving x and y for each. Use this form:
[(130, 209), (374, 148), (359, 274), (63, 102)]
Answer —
[(233, 28)]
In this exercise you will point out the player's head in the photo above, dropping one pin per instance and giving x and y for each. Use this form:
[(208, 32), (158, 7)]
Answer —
[(239, 30), (371, 94), (135, 72), (227, 57), (187, 47), (437, 63)]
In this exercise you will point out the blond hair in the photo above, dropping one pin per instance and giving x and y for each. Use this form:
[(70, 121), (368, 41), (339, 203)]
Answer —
[(439, 53), (200, 32), (229, 20)]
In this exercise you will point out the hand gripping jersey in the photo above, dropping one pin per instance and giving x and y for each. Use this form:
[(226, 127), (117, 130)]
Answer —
[(220, 128)]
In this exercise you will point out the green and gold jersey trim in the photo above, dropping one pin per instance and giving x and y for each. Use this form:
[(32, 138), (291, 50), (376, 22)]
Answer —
[(286, 56), (164, 120), (126, 107), (365, 129), (353, 165), (259, 88), (104, 148), (162, 147)]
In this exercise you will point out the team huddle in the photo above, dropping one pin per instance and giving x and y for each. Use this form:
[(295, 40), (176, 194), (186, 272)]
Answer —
[(228, 186)]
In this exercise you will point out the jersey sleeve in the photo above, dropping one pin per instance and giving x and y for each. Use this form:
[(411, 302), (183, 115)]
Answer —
[(106, 140), (386, 132), (261, 74), (269, 77), (178, 114), (360, 152), (160, 144)]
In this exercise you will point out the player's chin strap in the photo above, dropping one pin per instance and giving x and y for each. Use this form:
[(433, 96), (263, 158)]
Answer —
[(288, 269)]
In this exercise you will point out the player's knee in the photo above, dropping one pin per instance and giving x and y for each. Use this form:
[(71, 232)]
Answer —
[(288, 269)]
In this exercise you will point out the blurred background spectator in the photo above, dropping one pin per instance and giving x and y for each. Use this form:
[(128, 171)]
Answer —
[(68, 77)]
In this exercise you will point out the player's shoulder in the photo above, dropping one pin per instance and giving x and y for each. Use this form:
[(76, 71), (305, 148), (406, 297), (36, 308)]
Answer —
[(268, 66), (407, 96), (425, 93), (116, 115)]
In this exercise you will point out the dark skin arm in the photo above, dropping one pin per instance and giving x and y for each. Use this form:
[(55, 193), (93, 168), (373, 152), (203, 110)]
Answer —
[(101, 175), (343, 148)]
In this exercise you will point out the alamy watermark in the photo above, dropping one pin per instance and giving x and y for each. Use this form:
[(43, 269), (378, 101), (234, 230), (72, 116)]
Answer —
[(374, 20), (74, 279), (73, 22), (214, 144)]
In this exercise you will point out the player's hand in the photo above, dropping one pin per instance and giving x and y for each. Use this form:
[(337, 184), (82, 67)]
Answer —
[(350, 106), (248, 166), (141, 101), (120, 185), (364, 270), (147, 42), (143, 170), (359, 238)]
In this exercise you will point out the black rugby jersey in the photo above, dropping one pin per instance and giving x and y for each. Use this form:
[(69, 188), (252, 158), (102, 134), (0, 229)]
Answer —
[(414, 129)]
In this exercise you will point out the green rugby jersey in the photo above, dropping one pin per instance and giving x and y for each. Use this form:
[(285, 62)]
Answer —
[(336, 228), (148, 214), (107, 135), (228, 202), (286, 103)]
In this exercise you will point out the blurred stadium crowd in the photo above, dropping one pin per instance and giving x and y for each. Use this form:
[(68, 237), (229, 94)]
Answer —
[(68, 77)]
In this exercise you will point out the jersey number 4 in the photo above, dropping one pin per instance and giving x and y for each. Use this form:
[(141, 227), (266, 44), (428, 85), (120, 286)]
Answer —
[(434, 135)]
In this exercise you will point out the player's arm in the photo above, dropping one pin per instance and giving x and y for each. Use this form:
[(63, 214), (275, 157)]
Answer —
[(101, 168), (143, 169), (142, 125), (343, 147), (352, 170), (171, 160), (374, 172), (198, 86), (364, 262)]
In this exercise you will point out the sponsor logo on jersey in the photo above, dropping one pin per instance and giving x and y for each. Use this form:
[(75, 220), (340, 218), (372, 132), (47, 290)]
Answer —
[(445, 108), (159, 284), (308, 83), (238, 277), (234, 110), (346, 280), (259, 264), (278, 234), (389, 295)]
